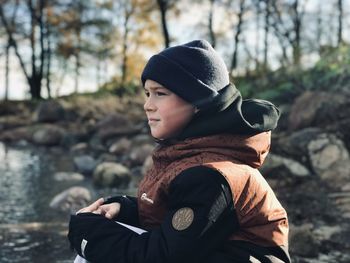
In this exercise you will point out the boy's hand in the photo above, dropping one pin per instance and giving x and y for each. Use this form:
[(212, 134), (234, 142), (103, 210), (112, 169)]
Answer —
[(92, 208), (110, 211)]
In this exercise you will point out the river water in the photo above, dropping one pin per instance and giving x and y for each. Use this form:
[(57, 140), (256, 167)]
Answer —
[(30, 231)]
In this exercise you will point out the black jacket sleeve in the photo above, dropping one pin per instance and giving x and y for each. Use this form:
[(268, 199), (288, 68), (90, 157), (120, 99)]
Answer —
[(200, 189), (128, 213)]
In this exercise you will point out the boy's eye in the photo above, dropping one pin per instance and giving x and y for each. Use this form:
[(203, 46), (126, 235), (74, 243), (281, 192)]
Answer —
[(159, 93), (147, 93)]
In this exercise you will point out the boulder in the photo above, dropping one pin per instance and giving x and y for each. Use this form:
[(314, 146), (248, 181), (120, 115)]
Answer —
[(318, 109), (115, 125), (71, 200), (85, 164), (79, 147), (142, 139), (303, 241), (330, 159), (49, 111), (139, 154), (111, 121), (275, 162), (48, 135), (66, 176), (109, 174), (16, 134), (121, 146)]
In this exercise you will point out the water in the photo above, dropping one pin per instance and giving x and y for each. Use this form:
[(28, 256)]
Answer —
[(30, 231)]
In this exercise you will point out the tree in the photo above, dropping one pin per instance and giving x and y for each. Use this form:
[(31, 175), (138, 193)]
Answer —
[(340, 22), (266, 31), (237, 34), (164, 6), (34, 9), (7, 51), (212, 36), (82, 33), (287, 25)]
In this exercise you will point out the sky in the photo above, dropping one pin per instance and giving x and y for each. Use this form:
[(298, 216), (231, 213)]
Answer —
[(178, 28)]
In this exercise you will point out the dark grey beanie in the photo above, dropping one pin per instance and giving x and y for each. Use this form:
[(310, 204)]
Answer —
[(195, 72)]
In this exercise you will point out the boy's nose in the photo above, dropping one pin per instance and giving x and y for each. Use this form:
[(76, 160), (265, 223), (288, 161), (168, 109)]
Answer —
[(149, 105)]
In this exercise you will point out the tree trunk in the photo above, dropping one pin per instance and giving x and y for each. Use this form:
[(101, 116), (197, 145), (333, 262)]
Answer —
[(319, 29), (7, 70), (125, 45), (98, 72), (210, 24), (237, 35), (35, 87), (77, 72), (163, 7), (78, 30), (266, 32), (257, 35), (48, 64), (297, 28), (340, 22), (37, 71)]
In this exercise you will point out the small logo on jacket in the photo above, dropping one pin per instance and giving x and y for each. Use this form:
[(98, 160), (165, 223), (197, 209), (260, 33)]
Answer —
[(145, 198)]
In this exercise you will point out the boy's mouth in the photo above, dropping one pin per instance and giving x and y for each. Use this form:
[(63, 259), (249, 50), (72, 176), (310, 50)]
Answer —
[(152, 120)]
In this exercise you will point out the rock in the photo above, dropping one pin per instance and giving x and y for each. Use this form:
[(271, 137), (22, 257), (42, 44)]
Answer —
[(17, 134), (13, 121), (107, 157), (49, 111), (121, 146), (303, 242), (71, 200), (330, 159), (22, 143), (139, 154), (64, 176), (114, 125), (295, 145), (79, 148), (318, 109), (323, 153), (142, 139), (325, 150), (326, 232), (112, 121), (147, 164), (85, 164), (346, 187), (342, 201), (48, 135), (96, 144), (111, 175), (294, 168)]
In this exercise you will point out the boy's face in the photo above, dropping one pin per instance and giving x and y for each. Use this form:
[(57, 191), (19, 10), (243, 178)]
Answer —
[(167, 113)]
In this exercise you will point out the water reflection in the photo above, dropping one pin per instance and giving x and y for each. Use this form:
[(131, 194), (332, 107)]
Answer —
[(29, 230), (18, 174)]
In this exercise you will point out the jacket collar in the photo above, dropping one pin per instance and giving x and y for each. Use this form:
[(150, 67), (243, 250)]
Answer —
[(251, 150)]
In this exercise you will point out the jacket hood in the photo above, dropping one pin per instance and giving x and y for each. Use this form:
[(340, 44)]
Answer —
[(248, 149), (241, 117)]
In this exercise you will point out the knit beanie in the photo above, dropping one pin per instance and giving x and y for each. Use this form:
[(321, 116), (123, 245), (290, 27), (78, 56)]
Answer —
[(195, 72)]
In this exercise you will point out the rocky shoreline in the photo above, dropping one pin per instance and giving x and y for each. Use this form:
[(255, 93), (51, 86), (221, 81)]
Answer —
[(309, 164)]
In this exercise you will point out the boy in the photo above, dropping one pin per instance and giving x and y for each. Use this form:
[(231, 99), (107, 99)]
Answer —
[(204, 199)]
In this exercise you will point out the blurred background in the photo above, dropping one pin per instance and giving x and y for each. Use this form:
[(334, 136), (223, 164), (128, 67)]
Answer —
[(72, 126)]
